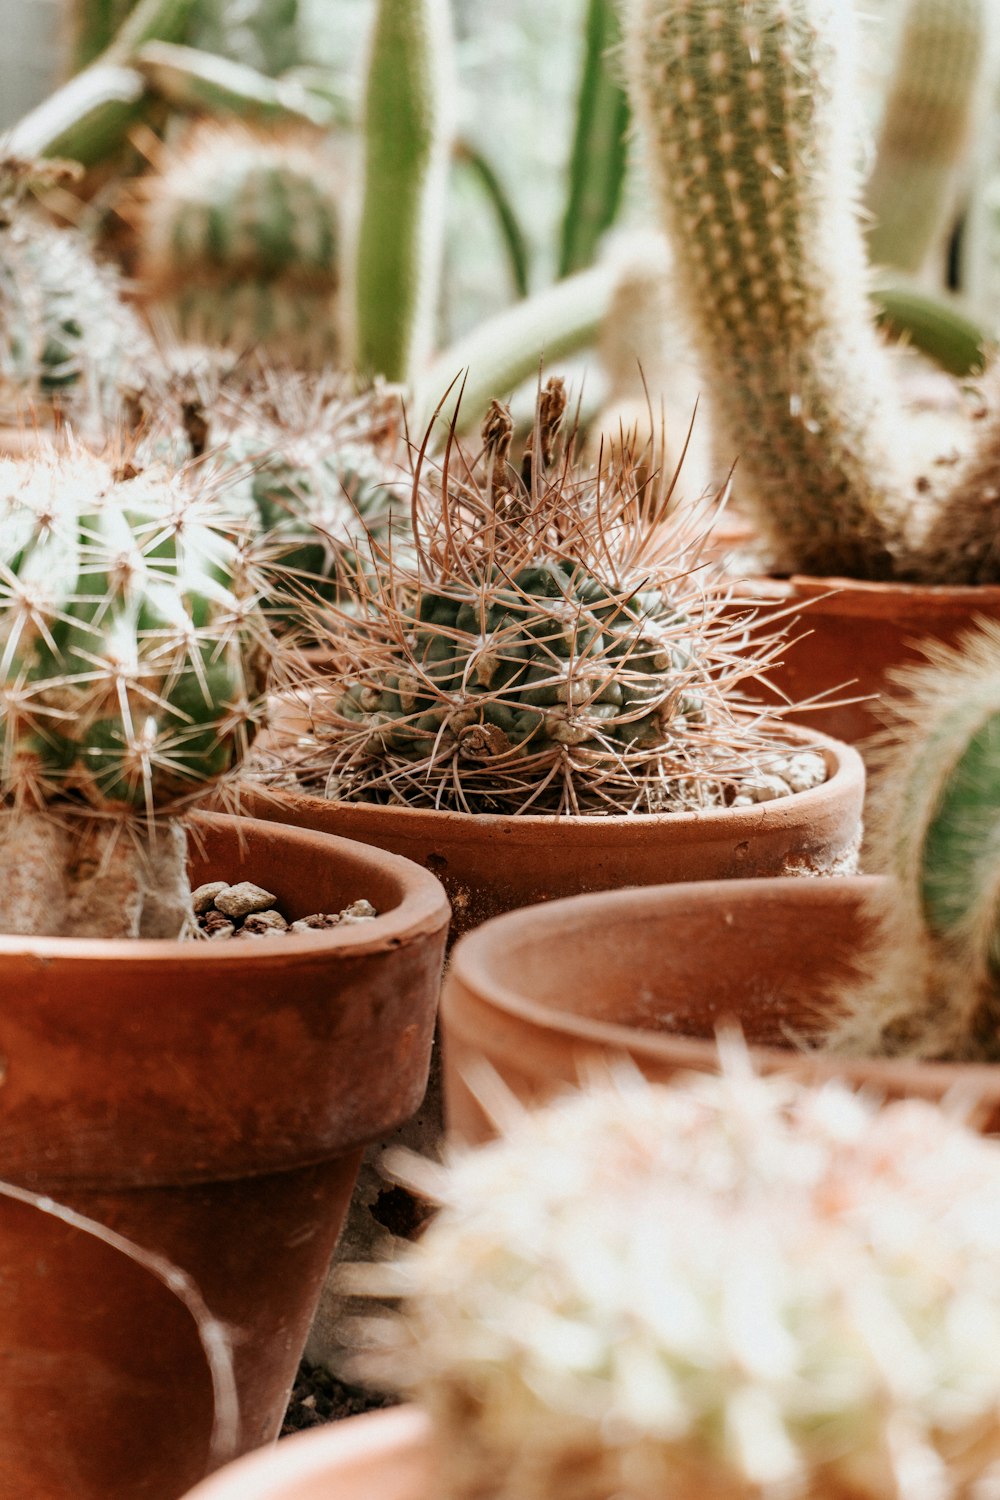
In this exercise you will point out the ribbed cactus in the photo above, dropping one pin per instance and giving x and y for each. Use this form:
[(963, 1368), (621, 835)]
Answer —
[(263, 34), (67, 340), (934, 990), (937, 96), (545, 651), (732, 1287), (133, 656), (239, 241), (749, 112)]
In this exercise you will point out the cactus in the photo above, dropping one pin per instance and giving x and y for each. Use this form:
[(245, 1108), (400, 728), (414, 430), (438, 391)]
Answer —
[(733, 1286), (133, 656), (409, 108), (541, 653), (934, 986), (67, 341), (748, 112), (936, 96), (238, 241), (263, 34)]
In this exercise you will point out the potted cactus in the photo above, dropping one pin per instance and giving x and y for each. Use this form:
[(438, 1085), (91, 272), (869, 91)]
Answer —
[(208, 1101), (726, 1287), (896, 528), (536, 696)]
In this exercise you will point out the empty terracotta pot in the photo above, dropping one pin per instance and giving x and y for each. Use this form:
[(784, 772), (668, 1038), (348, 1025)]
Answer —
[(210, 1103), (490, 864), (540, 995), (385, 1455), (849, 636)]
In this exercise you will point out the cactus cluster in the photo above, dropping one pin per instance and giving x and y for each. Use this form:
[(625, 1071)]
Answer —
[(133, 659), (748, 110), (67, 340), (239, 240), (547, 646), (734, 1286), (934, 985)]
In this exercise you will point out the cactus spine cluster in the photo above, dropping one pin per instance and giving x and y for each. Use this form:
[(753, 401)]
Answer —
[(133, 657), (239, 242), (934, 987), (547, 649), (731, 1287), (936, 96), (748, 111)]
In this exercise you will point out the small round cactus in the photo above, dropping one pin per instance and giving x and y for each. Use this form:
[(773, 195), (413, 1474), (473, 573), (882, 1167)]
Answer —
[(133, 659), (734, 1286), (239, 241), (541, 648)]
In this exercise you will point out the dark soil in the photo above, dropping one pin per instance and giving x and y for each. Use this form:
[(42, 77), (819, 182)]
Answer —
[(319, 1397)]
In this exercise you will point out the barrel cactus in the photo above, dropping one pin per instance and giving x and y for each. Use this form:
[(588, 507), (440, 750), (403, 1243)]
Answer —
[(733, 1286), (934, 987), (133, 659), (239, 241), (543, 649)]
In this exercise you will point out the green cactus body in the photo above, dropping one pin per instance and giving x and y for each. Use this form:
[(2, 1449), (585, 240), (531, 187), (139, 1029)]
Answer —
[(935, 96), (935, 986), (747, 113), (263, 34), (239, 242), (132, 651)]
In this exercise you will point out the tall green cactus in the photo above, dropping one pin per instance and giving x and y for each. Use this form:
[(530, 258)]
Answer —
[(133, 658), (409, 108), (935, 985), (936, 95)]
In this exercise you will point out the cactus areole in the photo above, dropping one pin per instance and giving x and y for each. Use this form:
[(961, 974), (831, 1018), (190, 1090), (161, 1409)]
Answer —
[(133, 660)]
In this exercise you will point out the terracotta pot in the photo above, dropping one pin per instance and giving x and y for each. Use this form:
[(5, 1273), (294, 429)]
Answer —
[(210, 1102), (850, 636), (490, 864), (385, 1455), (542, 994), (17, 442)]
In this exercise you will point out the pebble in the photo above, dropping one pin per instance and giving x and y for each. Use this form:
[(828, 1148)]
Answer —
[(318, 921), (263, 923), (358, 911), (203, 899), (804, 771), (240, 900)]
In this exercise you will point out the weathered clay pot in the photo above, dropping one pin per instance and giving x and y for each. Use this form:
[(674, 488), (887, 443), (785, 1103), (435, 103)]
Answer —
[(490, 864), (210, 1102), (849, 636), (544, 993), (386, 1455)]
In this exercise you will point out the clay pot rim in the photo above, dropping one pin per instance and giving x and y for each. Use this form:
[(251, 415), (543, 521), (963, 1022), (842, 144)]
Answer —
[(788, 585), (844, 766), (423, 907), (275, 1473), (470, 968)]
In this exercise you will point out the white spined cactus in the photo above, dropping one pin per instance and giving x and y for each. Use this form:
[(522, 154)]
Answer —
[(729, 1287)]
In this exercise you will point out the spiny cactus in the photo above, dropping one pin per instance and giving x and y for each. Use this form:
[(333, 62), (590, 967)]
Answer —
[(748, 111), (730, 1287), (239, 241), (548, 650), (67, 341), (133, 657), (263, 34), (937, 95), (934, 986)]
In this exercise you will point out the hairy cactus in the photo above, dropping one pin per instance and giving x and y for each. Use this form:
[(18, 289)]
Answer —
[(934, 986), (133, 657), (748, 111), (239, 242), (67, 341), (729, 1287), (936, 95), (545, 651)]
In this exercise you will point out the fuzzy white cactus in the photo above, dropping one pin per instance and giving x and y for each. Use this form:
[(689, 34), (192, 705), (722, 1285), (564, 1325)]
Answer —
[(735, 1286)]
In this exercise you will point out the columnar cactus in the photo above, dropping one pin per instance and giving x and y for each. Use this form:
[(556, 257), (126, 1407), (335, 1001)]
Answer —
[(934, 989), (544, 651), (937, 94), (133, 657), (748, 111), (239, 241), (730, 1287)]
